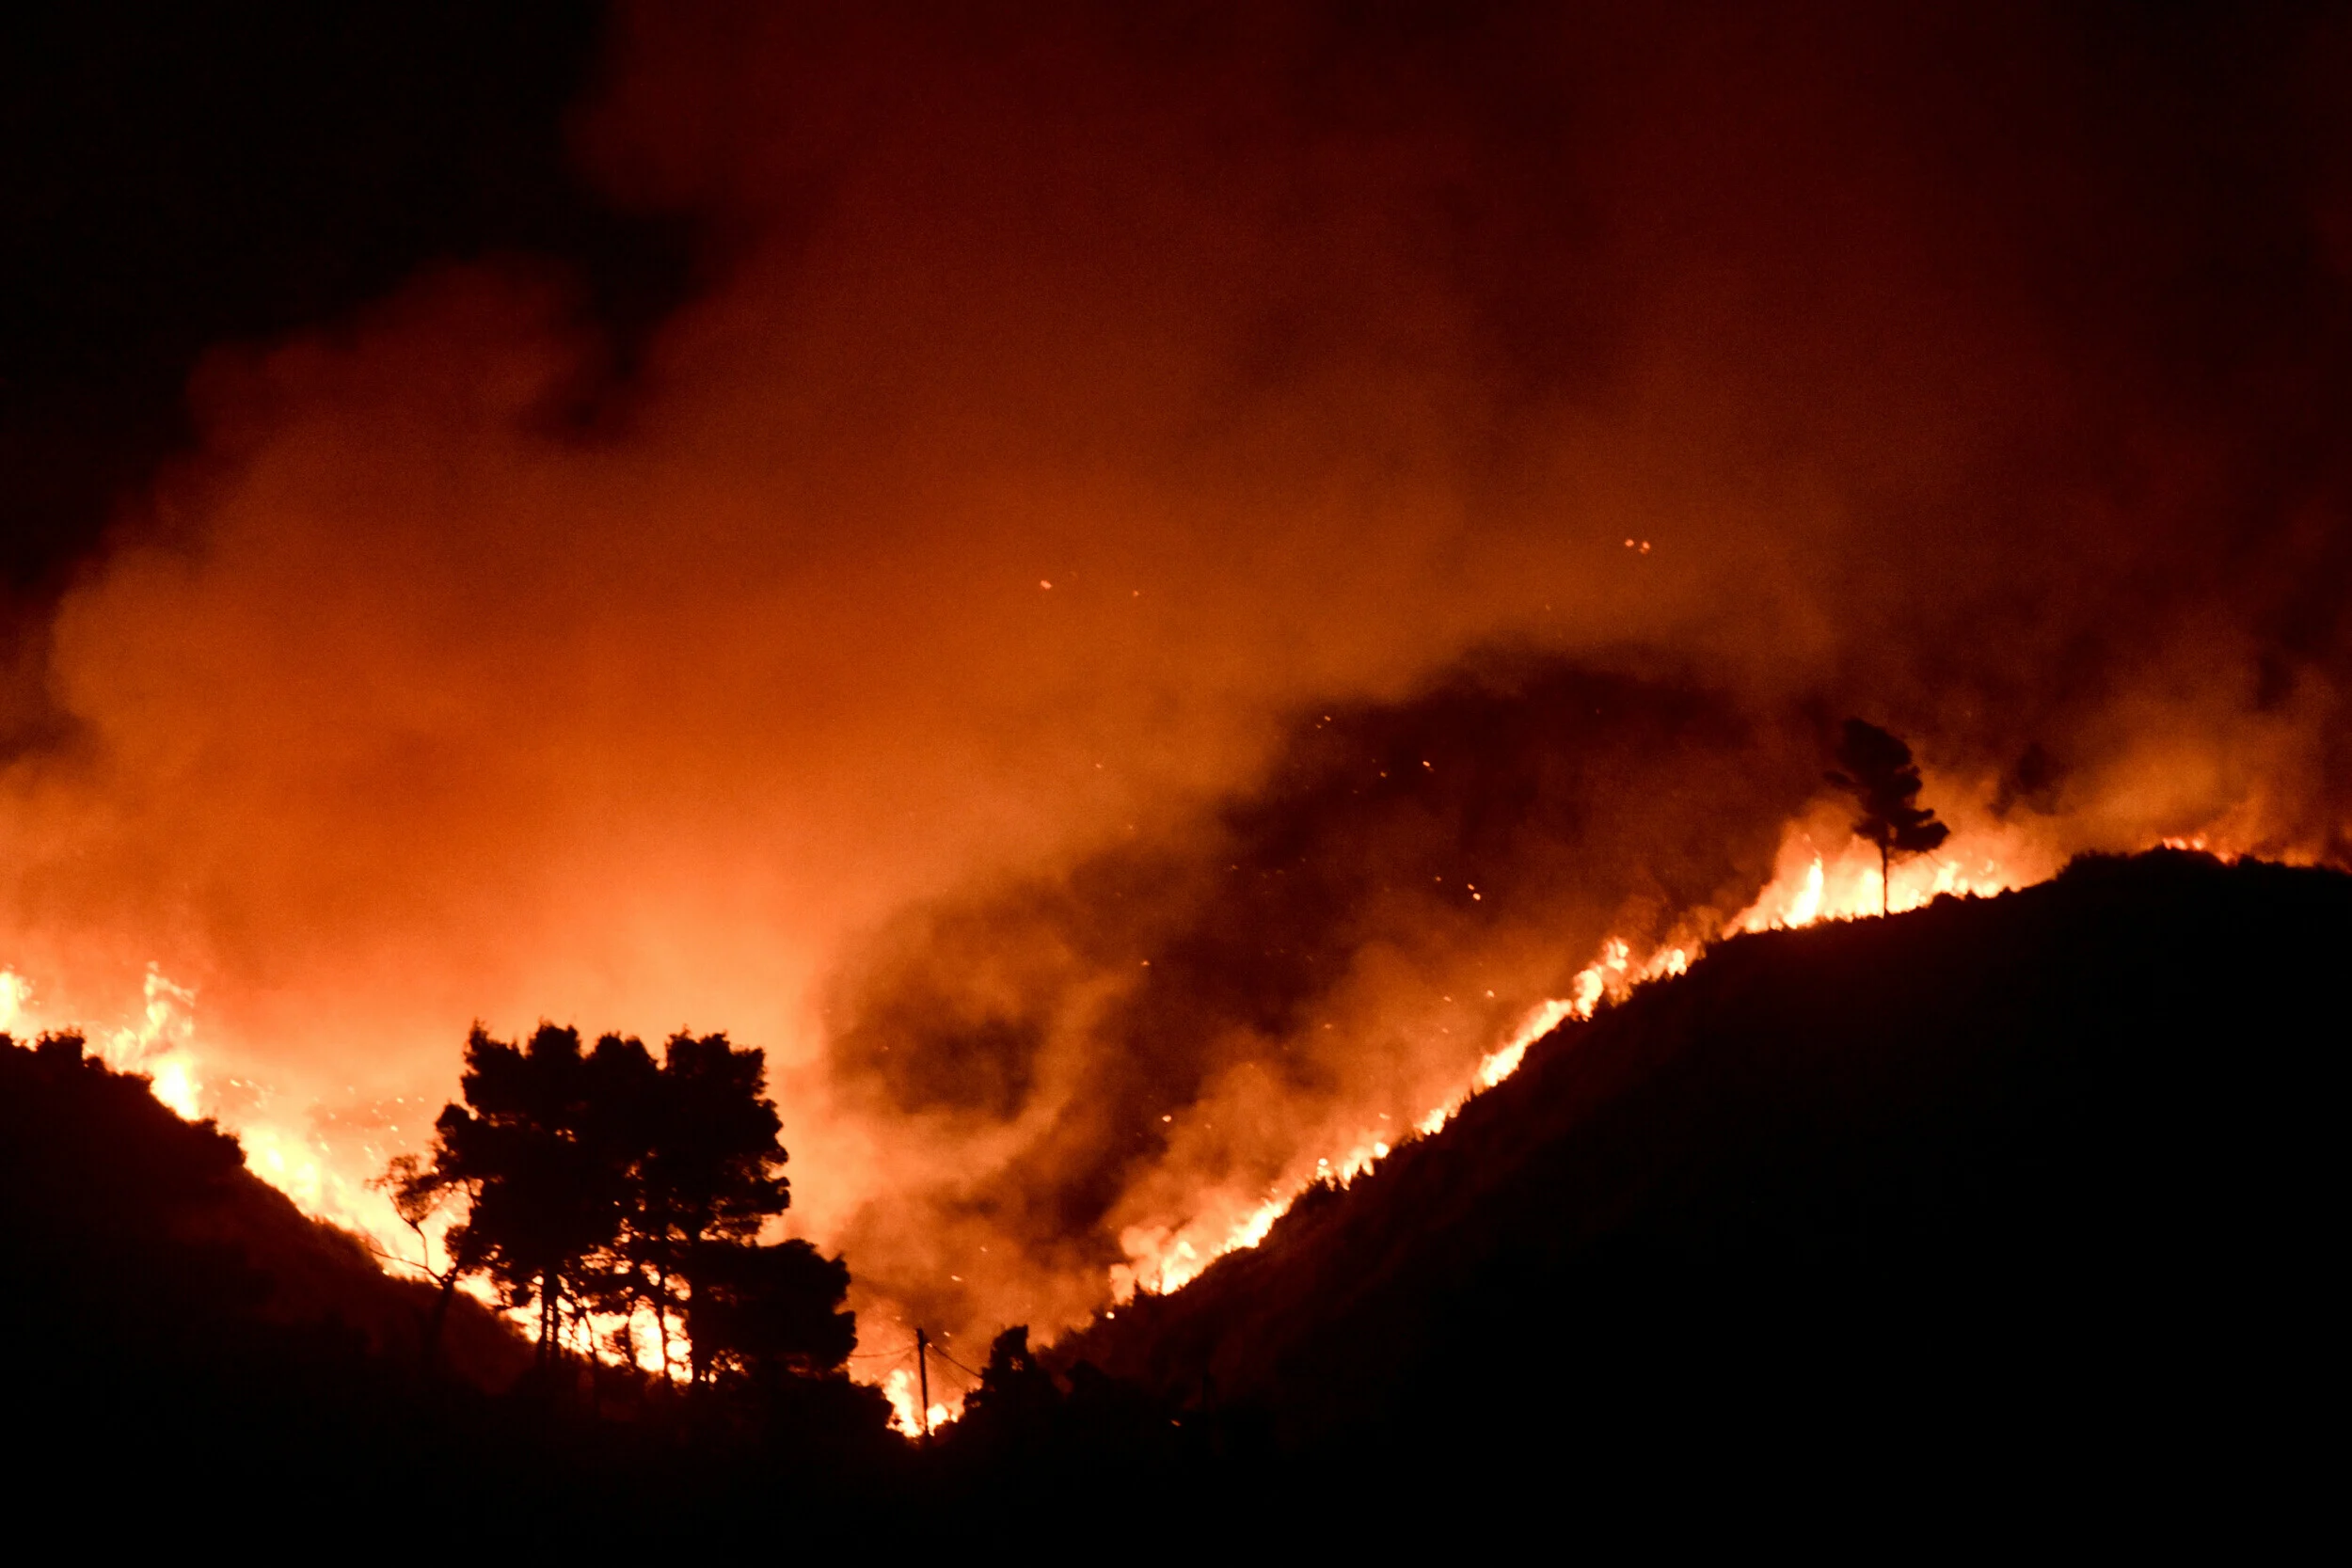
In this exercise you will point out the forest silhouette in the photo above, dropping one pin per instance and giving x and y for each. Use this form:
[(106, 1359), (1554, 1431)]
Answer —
[(1997, 1189), (598, 1182)]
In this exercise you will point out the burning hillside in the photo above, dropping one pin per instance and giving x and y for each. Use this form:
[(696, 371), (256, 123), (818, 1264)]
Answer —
[(137, 1246), (1147, 589), (1898, 1179)]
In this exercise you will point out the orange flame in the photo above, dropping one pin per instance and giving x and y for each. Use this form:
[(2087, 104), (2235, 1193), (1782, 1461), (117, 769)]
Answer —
[(1164, 1258), (1821, 872), (1809, 883), (1824, 872), (160, 1040), (906, 1408)]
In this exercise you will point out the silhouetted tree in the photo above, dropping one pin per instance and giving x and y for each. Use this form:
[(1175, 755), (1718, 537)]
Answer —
[(1017, 1398), (541, 1146), (1876, 768), (598, 1180), (709, 1177), (420, 1191)]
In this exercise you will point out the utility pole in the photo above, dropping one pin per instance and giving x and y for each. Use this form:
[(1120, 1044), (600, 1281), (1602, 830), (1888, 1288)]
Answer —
[(923, 1377)]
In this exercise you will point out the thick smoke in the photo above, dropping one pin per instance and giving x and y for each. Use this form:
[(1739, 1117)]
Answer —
[(1100, 1049), (1106, 441)]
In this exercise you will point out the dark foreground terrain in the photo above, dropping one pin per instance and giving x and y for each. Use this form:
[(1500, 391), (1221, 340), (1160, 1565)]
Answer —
[(1999, 1204), (190, 1343), (2044, 1188)]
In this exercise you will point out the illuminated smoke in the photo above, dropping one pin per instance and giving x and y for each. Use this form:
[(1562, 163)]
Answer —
[(1104, 444)]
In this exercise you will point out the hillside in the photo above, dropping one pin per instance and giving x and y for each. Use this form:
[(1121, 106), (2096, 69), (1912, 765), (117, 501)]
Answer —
[(2057, 1165), (143, 1258), (2042, 1184)]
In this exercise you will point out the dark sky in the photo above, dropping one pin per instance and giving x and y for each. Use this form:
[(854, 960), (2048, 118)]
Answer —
[(177, 176)]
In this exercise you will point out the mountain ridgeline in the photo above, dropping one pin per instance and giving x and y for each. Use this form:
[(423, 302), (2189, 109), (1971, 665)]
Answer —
[(1997, 1194), (2048, 1171)]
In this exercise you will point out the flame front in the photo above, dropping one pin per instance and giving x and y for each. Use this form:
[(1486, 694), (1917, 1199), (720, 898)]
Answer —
[(159, 1039), (1163, 1259), (1809, 883), (902, 1388), (1820, 873)]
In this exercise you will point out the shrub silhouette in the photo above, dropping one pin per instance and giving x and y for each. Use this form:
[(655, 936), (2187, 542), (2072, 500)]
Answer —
[(766, 1312)]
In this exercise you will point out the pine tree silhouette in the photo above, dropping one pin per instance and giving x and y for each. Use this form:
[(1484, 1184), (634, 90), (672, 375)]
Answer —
[(535, 1148), (1876, 768), (602, 1181)]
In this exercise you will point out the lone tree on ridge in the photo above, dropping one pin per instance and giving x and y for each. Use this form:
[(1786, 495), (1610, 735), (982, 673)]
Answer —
[(1875, 767)]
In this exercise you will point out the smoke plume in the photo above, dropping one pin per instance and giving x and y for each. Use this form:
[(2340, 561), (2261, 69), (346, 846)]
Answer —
[(1176, 550)]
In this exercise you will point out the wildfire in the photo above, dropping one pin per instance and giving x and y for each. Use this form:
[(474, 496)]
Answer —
[(1821, 872), (159, 1038), (1809, 883), (159, 1041), (1841, 881), (1164, 1258), (906, 1406)]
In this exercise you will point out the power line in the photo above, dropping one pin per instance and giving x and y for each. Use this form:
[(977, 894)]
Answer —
[(959, 1370), (958, 1365)]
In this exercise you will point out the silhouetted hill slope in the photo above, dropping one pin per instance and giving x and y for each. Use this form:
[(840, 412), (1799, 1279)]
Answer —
[(188, 1337), (2057, 1167), (120, 1222)]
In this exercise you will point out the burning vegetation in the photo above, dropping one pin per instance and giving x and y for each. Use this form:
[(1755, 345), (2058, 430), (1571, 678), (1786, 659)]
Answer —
[(1907, 1178), (1159, 606)]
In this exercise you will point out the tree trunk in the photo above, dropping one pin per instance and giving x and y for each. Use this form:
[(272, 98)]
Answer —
[(662, 1323), (434, 1324), (695, 1359), (1886, 860)]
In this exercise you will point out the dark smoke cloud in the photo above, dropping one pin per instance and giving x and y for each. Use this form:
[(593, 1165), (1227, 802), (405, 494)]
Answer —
[(1349, 934), (179, 175), (1080, 403)]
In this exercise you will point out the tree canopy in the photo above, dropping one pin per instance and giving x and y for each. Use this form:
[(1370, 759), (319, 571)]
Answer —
[(598, 1180), (1876, 768)]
